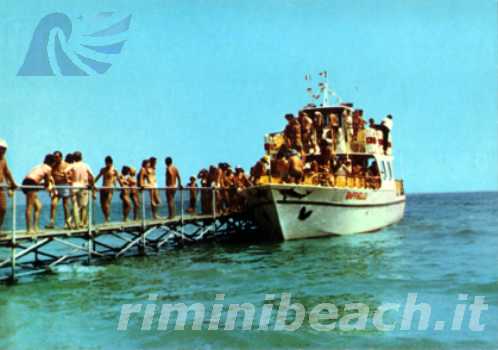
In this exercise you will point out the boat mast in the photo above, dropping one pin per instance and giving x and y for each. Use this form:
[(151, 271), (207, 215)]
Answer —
[(324, 89)]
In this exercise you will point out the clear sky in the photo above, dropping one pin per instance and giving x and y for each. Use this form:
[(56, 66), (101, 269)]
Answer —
[(203, 81)]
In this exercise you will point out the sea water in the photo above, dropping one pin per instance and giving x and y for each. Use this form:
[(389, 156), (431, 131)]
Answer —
[(444, 252)]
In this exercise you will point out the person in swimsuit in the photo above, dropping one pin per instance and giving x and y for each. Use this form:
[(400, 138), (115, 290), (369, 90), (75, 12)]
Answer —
[(142, 174), (69, 160), (241, 183), (296, 167), (306, 131), (230, 190), (82, 180), (132, 183), (59, 175), (151, 180), (5, 176), (260, 169), (173, 181), (109, 177), (224, 183), (206, 194), (192, 190), (39, 175), (125, 191)]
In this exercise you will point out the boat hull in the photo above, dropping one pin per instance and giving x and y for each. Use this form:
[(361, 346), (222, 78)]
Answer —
[(297, 211)]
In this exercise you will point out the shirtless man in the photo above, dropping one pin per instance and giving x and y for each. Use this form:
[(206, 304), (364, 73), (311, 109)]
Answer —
[(347, 117), (125, 191), (59, 175), (206, 195), (172, 176), (306, 130), (81, 177), (318, 125), (109, 177), (225, 184), (192, 190), (142, 174), (260, 169), (5, 176), (296, 167), (151, 179), (39, 175), (282, 165), (132, 183), (215, 182), (230, 191), (292, 131)]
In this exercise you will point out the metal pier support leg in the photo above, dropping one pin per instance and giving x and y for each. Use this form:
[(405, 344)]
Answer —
[(181, 212), (141, 247), (214, 210), (90, 227), (13, 242)]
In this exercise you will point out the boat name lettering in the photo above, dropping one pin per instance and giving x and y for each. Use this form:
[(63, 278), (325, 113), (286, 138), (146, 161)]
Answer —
[(356, 195)]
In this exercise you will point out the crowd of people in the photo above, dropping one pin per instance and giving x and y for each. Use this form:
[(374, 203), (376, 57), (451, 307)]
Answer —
[(71, 181), (312, 150), (326, 151)]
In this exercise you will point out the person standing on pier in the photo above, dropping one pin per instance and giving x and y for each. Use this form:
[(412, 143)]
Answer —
[(192, 190), (125, 191), (40, 174), (109, 177), (173, 181), (148, 180), (81, 177), (132, 183), (206, 194), (5, 176), (59, 175)]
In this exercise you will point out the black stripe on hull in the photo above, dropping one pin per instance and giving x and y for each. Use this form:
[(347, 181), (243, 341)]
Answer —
[(329, 204)]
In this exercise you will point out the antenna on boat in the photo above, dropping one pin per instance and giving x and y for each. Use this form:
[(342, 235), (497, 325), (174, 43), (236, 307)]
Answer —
[(324, 88), (309, 89), (324, 91)]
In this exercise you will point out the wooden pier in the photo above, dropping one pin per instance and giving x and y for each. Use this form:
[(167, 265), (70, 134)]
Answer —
[(23, 253)]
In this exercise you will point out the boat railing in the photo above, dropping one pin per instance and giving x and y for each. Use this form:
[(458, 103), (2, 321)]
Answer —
[(85, 208), (328, 180), (359, 144)]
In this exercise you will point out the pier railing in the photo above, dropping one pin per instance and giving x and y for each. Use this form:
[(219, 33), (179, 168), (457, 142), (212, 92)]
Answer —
[(125, 204)]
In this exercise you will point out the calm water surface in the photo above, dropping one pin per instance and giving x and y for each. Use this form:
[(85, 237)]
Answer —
[(447, 245)]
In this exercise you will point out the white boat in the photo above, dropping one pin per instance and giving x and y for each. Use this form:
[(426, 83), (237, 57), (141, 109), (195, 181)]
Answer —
[(351, 205), (289, 211)]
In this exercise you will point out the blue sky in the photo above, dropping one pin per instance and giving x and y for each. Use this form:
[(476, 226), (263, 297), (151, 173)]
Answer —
[(203, 81)]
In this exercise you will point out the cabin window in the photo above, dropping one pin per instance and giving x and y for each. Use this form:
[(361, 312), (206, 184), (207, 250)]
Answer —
[(389, 170), (383, 170)]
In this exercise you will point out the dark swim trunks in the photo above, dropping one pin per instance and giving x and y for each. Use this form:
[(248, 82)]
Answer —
[(29, 182)]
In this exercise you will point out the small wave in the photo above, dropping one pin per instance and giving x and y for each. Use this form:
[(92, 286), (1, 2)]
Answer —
[(77, 269), (466, 231)]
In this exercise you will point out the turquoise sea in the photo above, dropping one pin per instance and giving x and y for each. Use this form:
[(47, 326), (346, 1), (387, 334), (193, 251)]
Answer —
[(446, 246)]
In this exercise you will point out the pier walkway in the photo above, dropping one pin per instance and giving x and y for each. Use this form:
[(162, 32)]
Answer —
[(23, 253)]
